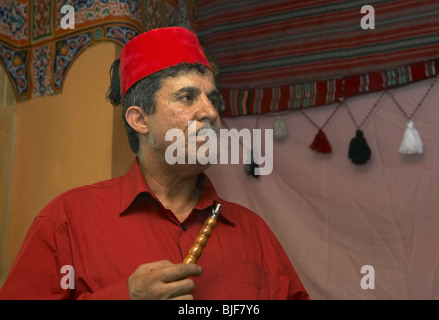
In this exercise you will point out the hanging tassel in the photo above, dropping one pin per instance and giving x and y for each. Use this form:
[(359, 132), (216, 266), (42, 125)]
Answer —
[(411, 141), (279, 128), (321, 143), (359, 151), (250, 167)]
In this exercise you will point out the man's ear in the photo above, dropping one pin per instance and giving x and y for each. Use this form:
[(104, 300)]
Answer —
[(136, 118)]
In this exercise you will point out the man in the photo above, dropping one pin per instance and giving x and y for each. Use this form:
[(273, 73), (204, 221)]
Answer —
[(125, 238)]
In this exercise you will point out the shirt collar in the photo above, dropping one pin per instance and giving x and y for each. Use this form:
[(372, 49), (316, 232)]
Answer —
[(134, 183)]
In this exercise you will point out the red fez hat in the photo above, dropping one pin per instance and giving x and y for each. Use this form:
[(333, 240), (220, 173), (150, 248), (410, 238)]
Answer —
[(156, 50)]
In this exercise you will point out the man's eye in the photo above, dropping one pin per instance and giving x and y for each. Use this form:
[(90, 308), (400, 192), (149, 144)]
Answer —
[(187, 98), (214, 102)]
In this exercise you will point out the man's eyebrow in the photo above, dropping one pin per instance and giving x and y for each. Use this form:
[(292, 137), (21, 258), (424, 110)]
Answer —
[(191, 90), (195, 92), (213, 93)]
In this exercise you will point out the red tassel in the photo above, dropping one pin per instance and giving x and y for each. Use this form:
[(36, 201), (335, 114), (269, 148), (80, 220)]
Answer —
[(321, 143)]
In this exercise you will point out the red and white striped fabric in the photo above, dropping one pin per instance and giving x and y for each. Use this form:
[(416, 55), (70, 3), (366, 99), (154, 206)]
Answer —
[(281, 54)]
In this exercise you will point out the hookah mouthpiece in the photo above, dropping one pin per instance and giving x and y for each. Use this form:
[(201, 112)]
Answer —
[(205, 232)]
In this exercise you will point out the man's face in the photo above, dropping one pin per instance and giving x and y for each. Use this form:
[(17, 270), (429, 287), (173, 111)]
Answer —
[(189, 96)]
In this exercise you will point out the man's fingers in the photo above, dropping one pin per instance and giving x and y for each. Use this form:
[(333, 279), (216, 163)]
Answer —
[(163, 280), (185, 297), (180, 288), (156, 265), (180, 271)]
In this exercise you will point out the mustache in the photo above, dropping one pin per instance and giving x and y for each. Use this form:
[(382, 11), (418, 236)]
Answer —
[(207, 126)]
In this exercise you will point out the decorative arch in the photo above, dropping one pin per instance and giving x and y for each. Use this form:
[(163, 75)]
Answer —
[(37, 52), (67, 50), (14, 63)]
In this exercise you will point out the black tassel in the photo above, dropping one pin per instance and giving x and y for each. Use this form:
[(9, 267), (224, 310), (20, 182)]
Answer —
[(250, 167), (114, 94), (359, 151)]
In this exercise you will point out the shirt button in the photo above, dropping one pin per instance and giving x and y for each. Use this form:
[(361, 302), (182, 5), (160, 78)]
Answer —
[(183, 226)]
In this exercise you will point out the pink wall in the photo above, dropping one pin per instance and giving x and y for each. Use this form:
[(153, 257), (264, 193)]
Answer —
[(333, 217)]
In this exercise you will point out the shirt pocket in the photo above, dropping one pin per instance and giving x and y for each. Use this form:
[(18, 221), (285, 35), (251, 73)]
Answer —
[(247, 280)]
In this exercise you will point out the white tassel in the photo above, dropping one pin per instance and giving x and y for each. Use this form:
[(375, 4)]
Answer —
[(279, 128), (411, 142)]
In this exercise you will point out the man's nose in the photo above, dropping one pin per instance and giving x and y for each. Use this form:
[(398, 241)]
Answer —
[(206, 110)]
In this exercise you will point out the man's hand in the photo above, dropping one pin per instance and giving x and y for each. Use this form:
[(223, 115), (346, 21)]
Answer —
[(163, 280)]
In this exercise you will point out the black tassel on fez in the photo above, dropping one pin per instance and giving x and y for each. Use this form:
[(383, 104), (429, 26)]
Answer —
[(359, 151), (114, 94)]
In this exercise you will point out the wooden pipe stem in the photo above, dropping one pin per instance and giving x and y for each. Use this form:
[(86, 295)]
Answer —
[(201, 240)]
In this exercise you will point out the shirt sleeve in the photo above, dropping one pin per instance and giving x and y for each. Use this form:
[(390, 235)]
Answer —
[(296, 289), (279, 264), (36, 272)]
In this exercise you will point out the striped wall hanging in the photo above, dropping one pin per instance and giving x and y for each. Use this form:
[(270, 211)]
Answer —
[(285, 55)]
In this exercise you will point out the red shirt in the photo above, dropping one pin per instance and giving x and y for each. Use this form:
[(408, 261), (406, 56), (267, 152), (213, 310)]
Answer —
[(108, 229)]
